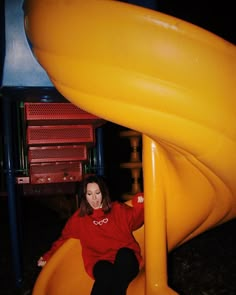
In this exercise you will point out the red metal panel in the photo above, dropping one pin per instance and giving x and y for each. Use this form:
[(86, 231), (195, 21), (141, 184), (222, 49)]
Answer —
[(50, 189), (58, 111), (64, 153), (55, 172), (22, 180), (40, 135)]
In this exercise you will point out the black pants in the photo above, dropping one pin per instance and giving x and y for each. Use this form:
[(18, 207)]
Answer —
[(113, 279)]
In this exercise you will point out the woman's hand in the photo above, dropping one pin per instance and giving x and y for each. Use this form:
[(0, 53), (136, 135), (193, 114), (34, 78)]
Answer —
[(41, 262)]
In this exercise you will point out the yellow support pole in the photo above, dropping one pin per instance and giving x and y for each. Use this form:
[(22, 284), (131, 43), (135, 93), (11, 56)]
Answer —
[(155, 221)]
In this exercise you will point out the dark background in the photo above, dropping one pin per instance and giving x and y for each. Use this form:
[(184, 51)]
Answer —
[(215, 16)]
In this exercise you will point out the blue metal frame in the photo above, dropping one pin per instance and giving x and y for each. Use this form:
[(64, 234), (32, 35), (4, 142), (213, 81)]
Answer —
[(100, 151), (20, 67), (10, 180)]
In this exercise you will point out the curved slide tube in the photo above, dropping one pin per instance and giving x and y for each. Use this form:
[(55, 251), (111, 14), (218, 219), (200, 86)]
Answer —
[(168, 79)]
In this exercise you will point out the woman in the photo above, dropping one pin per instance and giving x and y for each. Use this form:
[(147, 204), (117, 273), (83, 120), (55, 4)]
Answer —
[(111, 255)]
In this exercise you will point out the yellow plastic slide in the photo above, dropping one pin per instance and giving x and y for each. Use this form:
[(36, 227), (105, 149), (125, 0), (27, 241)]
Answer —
[(168, 79)]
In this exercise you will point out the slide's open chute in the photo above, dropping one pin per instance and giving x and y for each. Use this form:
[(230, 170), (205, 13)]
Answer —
[(168, 79)]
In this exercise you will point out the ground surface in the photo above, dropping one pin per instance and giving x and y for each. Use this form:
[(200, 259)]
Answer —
[(204, 266)]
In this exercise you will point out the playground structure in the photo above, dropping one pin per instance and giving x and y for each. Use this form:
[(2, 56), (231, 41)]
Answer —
[(165, 78)]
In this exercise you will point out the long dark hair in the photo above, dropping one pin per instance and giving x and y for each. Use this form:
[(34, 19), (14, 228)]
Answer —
[(85, 208)]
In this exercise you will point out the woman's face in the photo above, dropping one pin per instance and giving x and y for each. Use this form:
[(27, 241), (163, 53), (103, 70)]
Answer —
[(94, 195)]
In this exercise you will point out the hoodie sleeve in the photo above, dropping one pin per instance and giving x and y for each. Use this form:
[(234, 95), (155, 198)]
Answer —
[(70, 230), (137, 219)]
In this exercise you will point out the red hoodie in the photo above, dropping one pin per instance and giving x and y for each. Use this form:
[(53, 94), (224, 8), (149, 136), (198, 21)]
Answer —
[(102, 235)]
